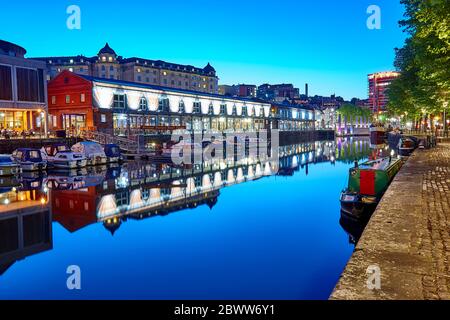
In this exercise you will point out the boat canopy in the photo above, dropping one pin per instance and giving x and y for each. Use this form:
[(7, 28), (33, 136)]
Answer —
[(88, 148), (5, 158), (29, 155), (112, 150), (53, 149)]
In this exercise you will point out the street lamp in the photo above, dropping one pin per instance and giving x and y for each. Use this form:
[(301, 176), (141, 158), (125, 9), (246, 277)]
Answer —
[(445, 119)]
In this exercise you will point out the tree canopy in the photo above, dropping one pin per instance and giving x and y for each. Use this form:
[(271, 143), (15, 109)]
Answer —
[(424, 60)]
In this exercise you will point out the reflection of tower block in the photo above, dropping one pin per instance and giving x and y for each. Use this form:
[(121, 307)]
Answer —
[(15, 229)]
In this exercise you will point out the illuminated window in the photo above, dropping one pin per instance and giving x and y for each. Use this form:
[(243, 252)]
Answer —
[(67, 99), (83, 97)]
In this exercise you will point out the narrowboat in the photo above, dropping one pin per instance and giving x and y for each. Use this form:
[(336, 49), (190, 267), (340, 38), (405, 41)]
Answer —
[(113, 153), (7, 166), (377, 134), (59, 156), (367, 184), (406, 146), (92, 151), (29, 159)]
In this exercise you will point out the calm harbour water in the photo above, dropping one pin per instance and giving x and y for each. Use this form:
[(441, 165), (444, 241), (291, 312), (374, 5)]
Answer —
[(221, 231)]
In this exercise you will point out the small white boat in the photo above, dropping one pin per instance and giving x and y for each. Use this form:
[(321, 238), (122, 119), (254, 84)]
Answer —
[(92, 151), (59, 156), (7, 166), (29, 159)]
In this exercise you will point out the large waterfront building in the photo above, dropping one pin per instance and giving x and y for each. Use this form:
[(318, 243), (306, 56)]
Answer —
[(378, 83), (122, 108), (23, 91), (108, 65)]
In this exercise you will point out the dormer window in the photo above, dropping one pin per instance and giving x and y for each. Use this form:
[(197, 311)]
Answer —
[(103, 58), (110, 59)]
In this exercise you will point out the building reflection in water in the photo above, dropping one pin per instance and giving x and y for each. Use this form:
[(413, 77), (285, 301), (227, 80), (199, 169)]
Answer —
[(138, 190), (25, 224)]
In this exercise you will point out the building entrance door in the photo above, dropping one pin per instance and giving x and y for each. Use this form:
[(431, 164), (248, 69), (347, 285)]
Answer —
[(74, 123)]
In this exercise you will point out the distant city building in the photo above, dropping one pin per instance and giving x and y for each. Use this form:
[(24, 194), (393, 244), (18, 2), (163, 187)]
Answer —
[(108, 65), (23, 91), (240, 90), (227, 90), (277, 92), (247, 90), (378, 83)]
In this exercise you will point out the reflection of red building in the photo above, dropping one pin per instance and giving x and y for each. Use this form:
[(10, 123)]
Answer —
[(378, 83), (74, 210)]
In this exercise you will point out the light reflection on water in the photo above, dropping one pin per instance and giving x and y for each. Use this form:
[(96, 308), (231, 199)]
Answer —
[(231, 230)]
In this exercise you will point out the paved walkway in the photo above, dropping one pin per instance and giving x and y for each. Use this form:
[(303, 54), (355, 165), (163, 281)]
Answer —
[(408, 237)]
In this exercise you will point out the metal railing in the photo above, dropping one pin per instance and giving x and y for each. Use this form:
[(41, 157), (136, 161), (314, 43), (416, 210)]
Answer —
[(125, 144)]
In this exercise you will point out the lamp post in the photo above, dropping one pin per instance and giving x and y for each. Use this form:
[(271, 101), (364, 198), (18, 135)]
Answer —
[(445, 119)]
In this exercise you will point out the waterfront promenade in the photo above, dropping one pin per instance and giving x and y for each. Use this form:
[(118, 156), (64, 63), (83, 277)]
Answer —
[(408, 237)]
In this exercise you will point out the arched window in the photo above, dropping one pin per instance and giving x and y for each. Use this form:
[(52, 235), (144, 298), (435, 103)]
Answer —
[(182, 108), (143, 104), (211, 110), (244, 111)]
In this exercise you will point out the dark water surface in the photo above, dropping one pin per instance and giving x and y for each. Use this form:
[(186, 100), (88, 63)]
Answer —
[(221, 231)]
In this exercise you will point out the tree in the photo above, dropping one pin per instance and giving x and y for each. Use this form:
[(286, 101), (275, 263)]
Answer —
[(424, 61)]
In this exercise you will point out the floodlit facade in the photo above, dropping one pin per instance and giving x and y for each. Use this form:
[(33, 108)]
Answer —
[(127, 108)]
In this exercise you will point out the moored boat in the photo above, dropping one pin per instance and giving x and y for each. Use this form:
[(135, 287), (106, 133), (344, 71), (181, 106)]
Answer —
[(406, 146), (29, 159), (7, 166), (377, 134), (367, 184), (59, 156), (92, 151), (113, 154)]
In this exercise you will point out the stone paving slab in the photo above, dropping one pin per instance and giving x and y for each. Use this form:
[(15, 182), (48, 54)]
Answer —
[(408, 236)]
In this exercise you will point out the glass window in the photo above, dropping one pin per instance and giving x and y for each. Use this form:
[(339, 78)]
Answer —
[(143, 104), (211, 110), (244, 111), (163, 105), (197, 108), (67, 99), (223, 109), (182, 108), (5, 83), (119, 101), (30, 85), (83, 97)]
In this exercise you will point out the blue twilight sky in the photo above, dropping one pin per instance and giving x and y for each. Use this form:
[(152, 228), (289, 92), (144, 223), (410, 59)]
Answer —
[(323, 42)]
